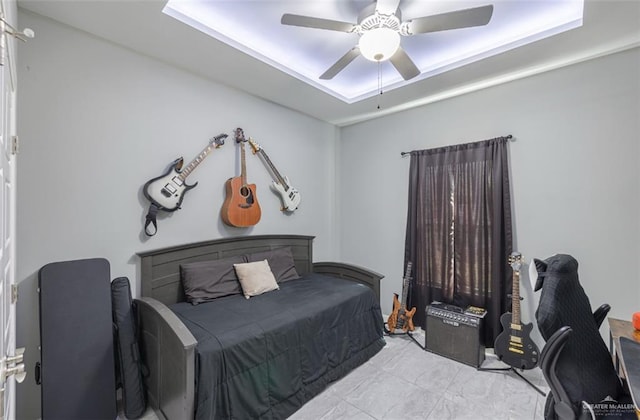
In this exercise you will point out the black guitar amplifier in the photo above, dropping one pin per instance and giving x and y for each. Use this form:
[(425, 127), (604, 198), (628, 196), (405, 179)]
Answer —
[(453, 333)]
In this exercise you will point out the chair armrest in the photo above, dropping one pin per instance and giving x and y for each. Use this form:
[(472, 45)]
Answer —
[(601, 313), (548, 360)]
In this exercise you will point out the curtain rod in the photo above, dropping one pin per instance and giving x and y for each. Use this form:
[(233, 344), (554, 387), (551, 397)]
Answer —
[(508, 137)]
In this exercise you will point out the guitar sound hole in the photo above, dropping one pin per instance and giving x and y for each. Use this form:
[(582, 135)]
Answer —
[(245, 192)]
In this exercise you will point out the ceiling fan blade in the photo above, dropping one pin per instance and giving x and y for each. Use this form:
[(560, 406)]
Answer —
[(387, 7), (319, 23), (341, 64), (466, 18), (405, 66)]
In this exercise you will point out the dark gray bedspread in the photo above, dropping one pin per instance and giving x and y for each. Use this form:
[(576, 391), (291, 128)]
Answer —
[(266, 356)]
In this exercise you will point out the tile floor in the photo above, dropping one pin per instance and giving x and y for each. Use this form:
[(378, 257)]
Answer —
[(405, 382)]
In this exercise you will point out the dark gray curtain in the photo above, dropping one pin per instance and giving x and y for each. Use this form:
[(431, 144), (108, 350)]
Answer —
[(459, 233)]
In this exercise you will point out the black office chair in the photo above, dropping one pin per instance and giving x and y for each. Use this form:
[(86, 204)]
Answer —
[(575, 360)]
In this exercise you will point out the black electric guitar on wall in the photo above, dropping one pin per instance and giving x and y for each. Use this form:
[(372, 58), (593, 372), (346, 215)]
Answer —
[(167, 190), (514, 345), (401, 318)]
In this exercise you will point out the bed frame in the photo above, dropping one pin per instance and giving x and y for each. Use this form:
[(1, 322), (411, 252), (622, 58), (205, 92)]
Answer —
[(167, 346)]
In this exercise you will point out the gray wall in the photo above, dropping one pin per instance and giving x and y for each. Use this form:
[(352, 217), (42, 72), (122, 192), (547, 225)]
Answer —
[(574, 172), (96, 121)]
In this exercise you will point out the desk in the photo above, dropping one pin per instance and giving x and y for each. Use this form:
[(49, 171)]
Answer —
[(624, 343), (619, 328)]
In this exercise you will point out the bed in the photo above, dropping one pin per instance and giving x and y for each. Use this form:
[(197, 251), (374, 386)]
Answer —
[(261, 357)]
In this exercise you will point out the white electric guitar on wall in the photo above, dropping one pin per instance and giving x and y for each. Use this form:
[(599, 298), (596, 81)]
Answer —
[(167, 190), (290, 196)]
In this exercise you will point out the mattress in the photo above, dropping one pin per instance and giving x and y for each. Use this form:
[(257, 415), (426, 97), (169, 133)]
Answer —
[(266, 356)]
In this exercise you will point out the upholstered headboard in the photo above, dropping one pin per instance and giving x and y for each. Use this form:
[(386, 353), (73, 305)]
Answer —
[(160, 269)]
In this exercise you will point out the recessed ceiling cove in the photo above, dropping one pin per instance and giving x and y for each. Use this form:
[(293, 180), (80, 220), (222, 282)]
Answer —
[(325, 43)]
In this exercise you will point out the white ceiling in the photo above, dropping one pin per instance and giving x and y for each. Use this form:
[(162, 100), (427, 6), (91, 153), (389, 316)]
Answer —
[(608, 26)]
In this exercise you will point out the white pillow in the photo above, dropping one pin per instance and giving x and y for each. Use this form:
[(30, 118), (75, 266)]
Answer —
[(255, 278)]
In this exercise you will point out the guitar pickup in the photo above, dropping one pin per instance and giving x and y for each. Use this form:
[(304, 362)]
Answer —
[(513, 350), (168, 190)]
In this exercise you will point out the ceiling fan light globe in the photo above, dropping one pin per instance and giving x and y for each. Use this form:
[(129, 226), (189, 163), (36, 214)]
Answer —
[(379, 44)]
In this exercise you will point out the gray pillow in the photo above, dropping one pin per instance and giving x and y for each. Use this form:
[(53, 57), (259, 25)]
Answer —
[(208, 280), (281, 262)]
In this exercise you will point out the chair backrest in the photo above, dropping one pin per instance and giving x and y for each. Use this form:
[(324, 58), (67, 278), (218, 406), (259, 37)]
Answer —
[(584, 366)]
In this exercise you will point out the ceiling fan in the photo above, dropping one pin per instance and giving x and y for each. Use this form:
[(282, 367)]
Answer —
[(380, 26)]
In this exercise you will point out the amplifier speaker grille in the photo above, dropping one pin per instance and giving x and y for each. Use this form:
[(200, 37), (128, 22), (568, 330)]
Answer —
[(454, 340)]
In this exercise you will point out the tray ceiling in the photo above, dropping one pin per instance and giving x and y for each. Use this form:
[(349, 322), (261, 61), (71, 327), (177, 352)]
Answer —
[(305, 53), (452, 62)]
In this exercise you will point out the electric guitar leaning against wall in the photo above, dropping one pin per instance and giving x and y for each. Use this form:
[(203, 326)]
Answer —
[(290, 196), (514, 345), (401, 318)]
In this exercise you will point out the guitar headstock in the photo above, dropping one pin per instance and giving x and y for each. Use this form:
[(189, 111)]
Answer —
[(239, 135), (515, 260), (254, 146), (218, 140)]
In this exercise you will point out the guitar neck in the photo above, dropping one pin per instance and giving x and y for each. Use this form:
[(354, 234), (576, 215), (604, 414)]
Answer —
[(279, 177), (196, 161), (515, 298), (405, 286), (243, 166)]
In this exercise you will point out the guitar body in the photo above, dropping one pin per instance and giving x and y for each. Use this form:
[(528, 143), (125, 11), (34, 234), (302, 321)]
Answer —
[(392, 322), (400, 317), (290, 196), (407, 320), (167, 190), (514, 346), (240, 207)]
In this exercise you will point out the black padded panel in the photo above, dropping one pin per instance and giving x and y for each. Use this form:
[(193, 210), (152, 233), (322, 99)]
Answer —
[(584, 366), (128, 352), (76, 339)]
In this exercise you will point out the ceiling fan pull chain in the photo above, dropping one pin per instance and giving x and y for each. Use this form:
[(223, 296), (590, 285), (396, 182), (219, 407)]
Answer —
[(379, 83)]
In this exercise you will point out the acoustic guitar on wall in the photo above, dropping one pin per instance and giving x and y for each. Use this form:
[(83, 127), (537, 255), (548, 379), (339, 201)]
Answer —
[(401, 318), (240, 207), (514, 345)]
